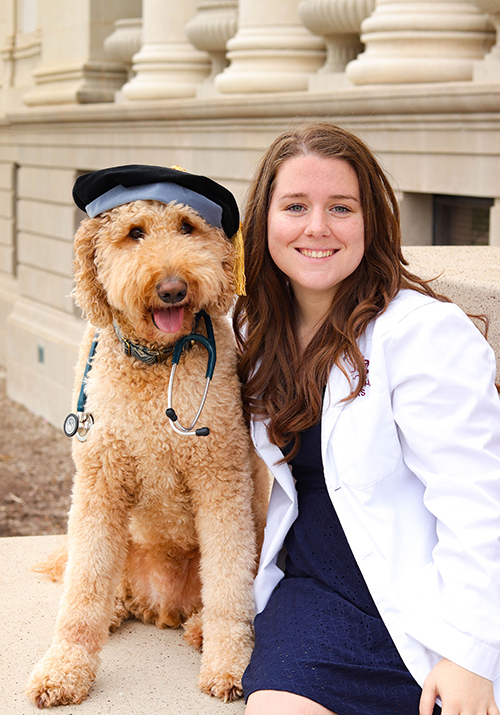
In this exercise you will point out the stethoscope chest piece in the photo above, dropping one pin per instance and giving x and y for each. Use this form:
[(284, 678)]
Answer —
[(78, 424)]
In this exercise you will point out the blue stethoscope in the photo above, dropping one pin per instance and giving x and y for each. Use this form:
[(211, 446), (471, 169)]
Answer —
[(80, 423)]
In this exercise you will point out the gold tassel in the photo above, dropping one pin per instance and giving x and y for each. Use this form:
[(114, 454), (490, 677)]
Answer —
[(179, 168), (239, 262)]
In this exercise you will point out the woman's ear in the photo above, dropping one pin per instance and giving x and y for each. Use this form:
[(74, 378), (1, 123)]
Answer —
[(89, 293)]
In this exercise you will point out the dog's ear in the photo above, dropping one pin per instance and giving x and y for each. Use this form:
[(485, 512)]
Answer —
[(227, 290), (89, 293)]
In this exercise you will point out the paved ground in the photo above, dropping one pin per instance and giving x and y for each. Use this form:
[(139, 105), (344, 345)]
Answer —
[(36, 471), (144, 671)]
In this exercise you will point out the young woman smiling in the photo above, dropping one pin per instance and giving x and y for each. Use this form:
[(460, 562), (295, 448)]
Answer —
[(373, 402)]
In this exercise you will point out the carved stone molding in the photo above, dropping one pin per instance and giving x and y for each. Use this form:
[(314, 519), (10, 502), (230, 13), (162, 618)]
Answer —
[(82, 83), (488, 70), (410, 41)]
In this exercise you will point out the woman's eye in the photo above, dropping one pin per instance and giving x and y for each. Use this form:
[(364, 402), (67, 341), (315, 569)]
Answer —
[(186, 228), (136, 233), (341, 210), (295, 208)]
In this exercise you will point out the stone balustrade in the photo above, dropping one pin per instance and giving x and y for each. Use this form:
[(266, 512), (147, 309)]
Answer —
[(207, 47)]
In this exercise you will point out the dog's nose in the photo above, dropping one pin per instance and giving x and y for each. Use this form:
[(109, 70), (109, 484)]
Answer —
[(171, 291)]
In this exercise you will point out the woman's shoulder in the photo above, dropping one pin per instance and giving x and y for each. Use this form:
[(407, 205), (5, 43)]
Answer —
[(411, 307)]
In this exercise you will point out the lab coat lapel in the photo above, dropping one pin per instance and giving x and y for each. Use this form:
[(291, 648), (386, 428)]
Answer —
[(336, 390), (282, 513)]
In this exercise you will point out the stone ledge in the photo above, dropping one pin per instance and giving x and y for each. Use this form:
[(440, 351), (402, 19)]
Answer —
[(468, 275), (369, 101), (144, 670)]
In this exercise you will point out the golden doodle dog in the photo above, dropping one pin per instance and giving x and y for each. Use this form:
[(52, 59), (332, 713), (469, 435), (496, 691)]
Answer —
[(164, 526)]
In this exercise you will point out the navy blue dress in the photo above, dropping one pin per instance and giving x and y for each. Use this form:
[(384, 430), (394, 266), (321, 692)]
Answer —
[(321, 635)]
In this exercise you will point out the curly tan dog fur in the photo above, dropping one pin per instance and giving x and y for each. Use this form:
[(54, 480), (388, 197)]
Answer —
[(162, 527)]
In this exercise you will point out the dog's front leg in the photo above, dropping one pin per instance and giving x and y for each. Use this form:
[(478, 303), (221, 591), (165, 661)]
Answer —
[(97, 546), (227, 543)]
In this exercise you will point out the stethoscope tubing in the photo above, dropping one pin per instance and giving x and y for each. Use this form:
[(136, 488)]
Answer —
[(209, 344)]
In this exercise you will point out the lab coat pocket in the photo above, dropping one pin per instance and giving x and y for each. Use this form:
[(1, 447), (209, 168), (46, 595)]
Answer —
[(365, 443)]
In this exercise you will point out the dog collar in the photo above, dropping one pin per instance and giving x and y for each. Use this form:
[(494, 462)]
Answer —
[(140, 352)]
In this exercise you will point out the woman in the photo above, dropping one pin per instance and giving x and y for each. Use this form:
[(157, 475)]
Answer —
[(379, 397)]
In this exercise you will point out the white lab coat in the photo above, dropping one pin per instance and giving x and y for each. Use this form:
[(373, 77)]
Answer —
[(412, 467)]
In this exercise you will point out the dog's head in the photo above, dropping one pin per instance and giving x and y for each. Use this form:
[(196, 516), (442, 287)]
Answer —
[(151, 267)]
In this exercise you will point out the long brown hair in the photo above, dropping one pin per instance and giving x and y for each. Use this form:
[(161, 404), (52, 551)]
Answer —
[(279, 381)]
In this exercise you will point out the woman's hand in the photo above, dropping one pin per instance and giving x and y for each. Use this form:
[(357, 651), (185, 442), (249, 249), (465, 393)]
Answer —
[(462, 692)]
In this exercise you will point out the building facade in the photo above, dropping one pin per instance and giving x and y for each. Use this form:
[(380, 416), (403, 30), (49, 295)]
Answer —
[(207, 85)]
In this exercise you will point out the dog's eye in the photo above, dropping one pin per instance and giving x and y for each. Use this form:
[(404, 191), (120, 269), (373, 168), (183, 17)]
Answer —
[(136, 233), (186, 228)]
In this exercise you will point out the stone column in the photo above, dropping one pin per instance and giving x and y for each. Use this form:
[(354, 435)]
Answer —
[(488, 70), (74, 67), (272, 51), (167, 65), (415, 41), (338, 21)]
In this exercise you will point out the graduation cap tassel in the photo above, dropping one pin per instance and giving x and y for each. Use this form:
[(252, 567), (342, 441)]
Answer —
[(239, 262)]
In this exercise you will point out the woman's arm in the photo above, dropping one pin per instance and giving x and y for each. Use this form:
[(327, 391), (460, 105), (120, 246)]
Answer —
[(462, 692), (448, 415)]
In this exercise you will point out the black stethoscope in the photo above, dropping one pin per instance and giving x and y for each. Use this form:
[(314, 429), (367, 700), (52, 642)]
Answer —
[(80, 423)]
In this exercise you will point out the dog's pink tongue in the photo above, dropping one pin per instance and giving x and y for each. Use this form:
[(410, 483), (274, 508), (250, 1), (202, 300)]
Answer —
[(169, 320)]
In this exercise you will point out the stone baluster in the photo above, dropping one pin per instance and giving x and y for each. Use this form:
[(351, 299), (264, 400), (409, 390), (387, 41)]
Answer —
[(214, 24), (488, 70), (272, 51), (124, 41), (338, 22), (167, 65), (414, 41)]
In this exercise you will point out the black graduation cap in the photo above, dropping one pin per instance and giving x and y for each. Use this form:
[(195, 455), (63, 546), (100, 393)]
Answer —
[(105, 189)]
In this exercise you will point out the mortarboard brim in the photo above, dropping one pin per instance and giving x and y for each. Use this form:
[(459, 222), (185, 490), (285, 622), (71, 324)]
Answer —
[(102, 190)]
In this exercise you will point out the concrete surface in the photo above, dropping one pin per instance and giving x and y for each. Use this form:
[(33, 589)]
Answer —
[(144, 671)]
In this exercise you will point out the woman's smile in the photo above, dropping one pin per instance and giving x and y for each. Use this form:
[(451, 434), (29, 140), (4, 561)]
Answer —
[(316, 253)]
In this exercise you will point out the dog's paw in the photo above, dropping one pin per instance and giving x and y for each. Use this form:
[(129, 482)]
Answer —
[(63, 676), (193, 631), (225, 686), (227, 647)]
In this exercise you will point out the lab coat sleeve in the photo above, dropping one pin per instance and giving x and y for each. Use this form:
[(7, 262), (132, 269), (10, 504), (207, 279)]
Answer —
[(447, 412)]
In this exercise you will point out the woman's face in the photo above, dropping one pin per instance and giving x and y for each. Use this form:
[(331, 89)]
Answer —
[(315, 225)]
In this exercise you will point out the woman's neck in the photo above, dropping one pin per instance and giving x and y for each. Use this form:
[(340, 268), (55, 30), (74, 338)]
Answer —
[(311, 308), (309, 318)]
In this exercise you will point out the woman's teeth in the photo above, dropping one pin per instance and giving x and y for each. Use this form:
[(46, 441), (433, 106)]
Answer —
[(310, 253)]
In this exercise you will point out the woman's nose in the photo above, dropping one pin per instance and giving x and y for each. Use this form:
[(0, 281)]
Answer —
[(317, 223)]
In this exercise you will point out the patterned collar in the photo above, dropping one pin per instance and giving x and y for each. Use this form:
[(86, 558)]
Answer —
[(140, 352)]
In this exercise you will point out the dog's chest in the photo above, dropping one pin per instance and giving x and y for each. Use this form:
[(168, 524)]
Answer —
[(129, 391), (128, 400)]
